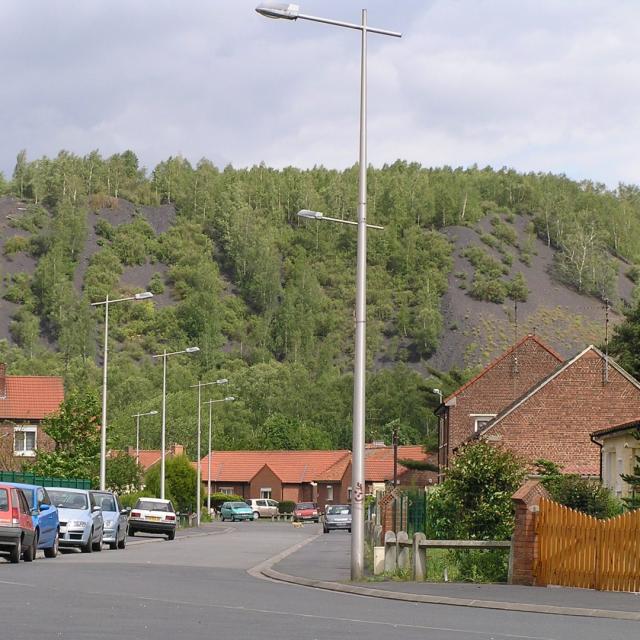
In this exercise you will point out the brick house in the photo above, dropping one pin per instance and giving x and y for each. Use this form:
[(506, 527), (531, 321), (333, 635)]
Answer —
[(619, 450), (555, 418), (468, 409), (24, 403)]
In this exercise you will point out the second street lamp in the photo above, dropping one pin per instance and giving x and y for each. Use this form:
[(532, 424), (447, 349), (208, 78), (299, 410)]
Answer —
[(291, 12), (103, 427), (199, 446), (163, 446), (211, 403)]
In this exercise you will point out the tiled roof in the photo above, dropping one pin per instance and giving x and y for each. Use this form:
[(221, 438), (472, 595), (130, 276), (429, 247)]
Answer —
[(292, 467), (506, 354), (148, 457), (31, 397), (634, 424)]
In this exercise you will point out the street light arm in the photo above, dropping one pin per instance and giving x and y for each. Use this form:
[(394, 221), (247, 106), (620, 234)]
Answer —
[(316, 215), (138, 296), (349, 25), (176, 353)]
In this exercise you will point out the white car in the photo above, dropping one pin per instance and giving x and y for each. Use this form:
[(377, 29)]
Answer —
[(263, 507), (153, 515)]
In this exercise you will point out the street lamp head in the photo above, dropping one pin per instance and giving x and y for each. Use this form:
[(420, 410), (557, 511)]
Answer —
[(222, 381), (278, 10), (153, 413), (192, 350), (312, 215), (143, 296), (229, 399), (437, 391)]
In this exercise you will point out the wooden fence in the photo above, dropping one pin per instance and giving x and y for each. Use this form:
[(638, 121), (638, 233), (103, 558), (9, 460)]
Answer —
[(576, 550)]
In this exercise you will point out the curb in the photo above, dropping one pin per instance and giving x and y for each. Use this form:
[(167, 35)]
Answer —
[(268, 572)]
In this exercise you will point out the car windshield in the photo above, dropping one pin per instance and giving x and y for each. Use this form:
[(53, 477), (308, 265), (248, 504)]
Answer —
[(305, 505), (338, 510), (105, 501), (238, 505), (152, 505), (4, 500), (68, 499)]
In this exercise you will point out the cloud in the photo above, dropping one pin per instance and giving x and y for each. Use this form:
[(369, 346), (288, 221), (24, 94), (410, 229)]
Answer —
[(538, 85)]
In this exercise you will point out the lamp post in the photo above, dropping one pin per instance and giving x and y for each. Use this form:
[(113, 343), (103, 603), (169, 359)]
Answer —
[(438, 392), (164, 355), (210, 403), (103, 428), (137, 416), (199, 474), (291, 12)]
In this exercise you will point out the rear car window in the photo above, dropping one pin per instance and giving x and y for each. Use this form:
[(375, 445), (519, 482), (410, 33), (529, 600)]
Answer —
[(152, 505), (4, 500)]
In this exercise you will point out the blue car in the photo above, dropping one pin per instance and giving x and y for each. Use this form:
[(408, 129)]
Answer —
[(236, 511), (45, 517)]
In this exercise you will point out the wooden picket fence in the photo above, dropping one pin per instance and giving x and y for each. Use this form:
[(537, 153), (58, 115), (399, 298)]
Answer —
[(576, 550)]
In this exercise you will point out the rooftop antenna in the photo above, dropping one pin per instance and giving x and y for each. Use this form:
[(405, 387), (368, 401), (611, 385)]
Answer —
[(606, 340)]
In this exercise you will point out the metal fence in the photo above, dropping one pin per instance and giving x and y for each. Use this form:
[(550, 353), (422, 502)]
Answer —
[(44, 481)]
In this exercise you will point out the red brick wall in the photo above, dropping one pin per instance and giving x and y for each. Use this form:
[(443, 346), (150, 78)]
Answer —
[(555, 423), (266, 478), (239, 488), (9, 462), (498, 388)]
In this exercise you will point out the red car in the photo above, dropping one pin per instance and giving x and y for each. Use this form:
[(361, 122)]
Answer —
[(17, 535), (306, 511)]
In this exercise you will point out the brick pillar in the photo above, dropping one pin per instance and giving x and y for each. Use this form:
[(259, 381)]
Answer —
[(524, 552), (387, 511)]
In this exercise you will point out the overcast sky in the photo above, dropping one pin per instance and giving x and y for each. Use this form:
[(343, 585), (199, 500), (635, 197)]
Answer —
[(537, 85)]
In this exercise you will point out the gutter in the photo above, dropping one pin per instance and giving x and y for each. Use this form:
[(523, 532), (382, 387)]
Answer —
[(600, 445)]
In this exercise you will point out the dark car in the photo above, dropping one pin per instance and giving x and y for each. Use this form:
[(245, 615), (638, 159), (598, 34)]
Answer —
[(17, 533), (306, 511), (337, 516)]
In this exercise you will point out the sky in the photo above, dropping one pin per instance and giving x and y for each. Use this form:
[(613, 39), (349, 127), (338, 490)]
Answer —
[(536, 85)]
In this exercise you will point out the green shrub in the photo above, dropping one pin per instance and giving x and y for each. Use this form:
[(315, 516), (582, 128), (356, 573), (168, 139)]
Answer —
[(286, 506), (180, 482), (504, 232), (156, 284), (633, 273), (130, 499), (517, 288), (217, 499), (489, 289), (16, 244)]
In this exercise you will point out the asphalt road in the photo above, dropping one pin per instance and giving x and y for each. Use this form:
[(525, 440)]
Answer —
[(198, 587)]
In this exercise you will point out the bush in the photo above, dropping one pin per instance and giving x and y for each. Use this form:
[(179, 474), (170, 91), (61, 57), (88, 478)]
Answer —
[(130, 499), (180, 483), (15, 245), (156, 284), (489, 289), (217, 499), (286, 506)]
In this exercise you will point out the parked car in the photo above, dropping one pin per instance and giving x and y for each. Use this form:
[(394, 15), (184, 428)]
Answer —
[(45, 517), (236, 511), (263, 507), (116, 519), (17, 533), (337, 516), (81, 522), (153, 515), (306, 511)]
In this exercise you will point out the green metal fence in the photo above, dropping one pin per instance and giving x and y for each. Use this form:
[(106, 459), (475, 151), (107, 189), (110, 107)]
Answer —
[(44, 481)]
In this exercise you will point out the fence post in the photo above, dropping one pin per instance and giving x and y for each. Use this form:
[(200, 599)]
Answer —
[(419, 557), (377, 535), (390, 552), (403, 551)]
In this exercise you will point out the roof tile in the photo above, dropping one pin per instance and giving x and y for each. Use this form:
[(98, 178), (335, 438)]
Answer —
[(31, 397)]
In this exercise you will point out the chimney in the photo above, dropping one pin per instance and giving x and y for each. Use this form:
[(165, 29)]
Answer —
[(3, 381), (177, 450)]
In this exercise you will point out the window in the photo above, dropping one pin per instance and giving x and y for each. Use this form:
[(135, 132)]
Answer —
[(480, 420), (330, 492), (265, 492), (349, 494), (24, 441), (227, 491)]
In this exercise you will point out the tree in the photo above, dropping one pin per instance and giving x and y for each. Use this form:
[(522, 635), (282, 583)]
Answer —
[(625, 342), (74, 428), (124, 474), (633, 480), (180, 482)]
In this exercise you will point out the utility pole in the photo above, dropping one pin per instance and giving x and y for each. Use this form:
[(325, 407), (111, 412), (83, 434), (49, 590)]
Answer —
[(395, 456)]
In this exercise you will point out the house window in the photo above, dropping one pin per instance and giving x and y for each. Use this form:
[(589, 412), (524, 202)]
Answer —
[(228, 491), (349, 494), (24, 441), (330, 492), (481, 420), (265, 492)]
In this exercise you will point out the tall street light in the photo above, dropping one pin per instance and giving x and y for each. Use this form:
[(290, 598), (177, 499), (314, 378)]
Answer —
[(210, 403), (198, 475), (164, 355), (292, 12), (103, 431), (137, 416)]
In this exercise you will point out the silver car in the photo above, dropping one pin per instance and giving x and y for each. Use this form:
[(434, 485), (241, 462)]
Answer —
[(81, 523), (337, 516), (116, 519)]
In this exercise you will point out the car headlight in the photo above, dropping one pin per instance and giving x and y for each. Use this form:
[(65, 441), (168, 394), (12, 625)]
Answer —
[(109, 524), (78, 524)]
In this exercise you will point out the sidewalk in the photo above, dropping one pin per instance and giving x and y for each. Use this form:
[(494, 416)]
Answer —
[(324, 563)]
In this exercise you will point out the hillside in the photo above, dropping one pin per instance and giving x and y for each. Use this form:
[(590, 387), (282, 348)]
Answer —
[(269, 299)]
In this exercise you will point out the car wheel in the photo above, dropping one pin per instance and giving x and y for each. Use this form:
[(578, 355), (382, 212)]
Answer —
[(316, 521), (114, 545), (349, 530), (171, 535), (88, 547), (97, 546), (325, 530), (52, 551), (256, 515), (132, 532), (29, 554), (123, 543), (16, 552)]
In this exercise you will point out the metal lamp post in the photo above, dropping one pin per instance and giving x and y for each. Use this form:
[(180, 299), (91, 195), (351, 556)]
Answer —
[(199, 471), (137, 416), (210, 403), (291, 12), (103, 431), (164, 355)]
